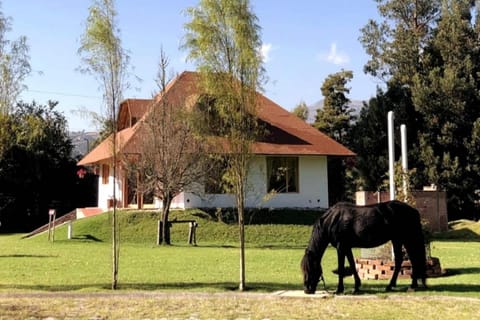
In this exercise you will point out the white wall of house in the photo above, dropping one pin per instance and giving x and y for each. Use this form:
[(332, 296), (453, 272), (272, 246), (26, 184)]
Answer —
[(312, 189), (105, 190)]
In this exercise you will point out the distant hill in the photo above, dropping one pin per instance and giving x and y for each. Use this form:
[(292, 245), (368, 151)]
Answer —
[(82, 142), (312, 109)]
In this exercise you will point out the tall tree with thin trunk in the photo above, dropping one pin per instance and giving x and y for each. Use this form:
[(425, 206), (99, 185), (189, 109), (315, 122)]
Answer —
[(103, 57), (223, 40), (14, 66)]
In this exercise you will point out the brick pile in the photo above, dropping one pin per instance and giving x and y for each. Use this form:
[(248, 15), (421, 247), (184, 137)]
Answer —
[(379, 269)]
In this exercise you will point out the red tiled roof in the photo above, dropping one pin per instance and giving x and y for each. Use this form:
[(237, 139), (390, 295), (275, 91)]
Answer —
[(289, 135), (104, 150), (293, 136)]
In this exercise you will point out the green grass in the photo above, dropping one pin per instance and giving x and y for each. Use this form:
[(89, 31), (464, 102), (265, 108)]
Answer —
[(82, 267)]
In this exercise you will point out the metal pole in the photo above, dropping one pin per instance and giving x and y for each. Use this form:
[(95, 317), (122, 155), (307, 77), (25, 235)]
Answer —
[(403, 137), (391, 155)]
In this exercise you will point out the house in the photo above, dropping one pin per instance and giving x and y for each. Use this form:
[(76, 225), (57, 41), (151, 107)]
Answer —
[(293, 146)]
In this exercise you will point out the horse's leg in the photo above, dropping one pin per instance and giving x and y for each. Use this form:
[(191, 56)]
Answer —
[(397, 251), (417, 258), (341, 269), (351, 261)]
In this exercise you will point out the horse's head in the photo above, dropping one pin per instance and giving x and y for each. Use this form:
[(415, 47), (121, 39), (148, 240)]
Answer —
[(312, 271)]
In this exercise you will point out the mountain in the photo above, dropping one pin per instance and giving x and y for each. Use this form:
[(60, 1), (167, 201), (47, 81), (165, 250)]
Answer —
[(82, 142), (356, 105)]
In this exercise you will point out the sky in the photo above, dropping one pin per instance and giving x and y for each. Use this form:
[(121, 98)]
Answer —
[(304, 41)]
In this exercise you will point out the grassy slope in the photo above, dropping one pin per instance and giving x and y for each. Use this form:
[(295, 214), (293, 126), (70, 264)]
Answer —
[(141, 227)]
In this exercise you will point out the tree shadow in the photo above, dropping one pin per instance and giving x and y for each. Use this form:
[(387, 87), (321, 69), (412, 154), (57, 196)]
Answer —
[(456, 271), (87, 238), (178, 286), (27, 256)]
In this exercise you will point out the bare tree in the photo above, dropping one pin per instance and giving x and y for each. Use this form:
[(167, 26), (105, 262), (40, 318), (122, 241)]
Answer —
[(104, 58), (172, 157)]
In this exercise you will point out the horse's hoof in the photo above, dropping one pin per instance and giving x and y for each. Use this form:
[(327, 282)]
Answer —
[(389, 289), (411, 289), (357, 291)]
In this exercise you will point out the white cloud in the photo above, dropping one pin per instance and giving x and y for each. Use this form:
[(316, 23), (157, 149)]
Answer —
[(334, 56), (265, 50)]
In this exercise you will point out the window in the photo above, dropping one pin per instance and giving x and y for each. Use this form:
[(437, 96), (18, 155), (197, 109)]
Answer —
[(133, 120), (105, 173), (282, 174)]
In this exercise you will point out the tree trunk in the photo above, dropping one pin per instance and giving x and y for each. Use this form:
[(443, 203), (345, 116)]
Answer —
[(241, 225), (166, 227)]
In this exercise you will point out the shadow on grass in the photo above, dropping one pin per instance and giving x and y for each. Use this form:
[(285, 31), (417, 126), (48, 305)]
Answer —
[(180, 286), (459, 235), (27, 256), (366, 288), (252, 246), (87, 238), (456, 271)]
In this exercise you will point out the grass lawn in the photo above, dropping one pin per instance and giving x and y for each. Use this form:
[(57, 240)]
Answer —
[(182, 281)]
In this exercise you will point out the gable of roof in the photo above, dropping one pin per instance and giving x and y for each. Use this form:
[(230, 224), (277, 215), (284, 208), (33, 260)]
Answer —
[(288, 134), (132, 110)]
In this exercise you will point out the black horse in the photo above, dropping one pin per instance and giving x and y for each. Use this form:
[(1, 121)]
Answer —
[(347, 226)]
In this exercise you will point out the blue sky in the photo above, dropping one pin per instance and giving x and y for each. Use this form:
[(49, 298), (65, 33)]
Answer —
[(304, 41)]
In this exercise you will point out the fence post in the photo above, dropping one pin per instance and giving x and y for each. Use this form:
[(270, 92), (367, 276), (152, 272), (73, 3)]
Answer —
[(69, 230), (191, 233), (51, 224)]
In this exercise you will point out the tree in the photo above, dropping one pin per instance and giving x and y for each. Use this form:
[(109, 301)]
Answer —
[(37, 171), (103, 57), (301, 111), (223, 40), (428, 52), (396, 43), (335, 120), (172, 156), (14, 65), (446, 95)]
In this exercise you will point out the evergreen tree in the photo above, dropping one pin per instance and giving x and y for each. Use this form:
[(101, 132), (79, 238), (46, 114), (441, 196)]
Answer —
[(446, 95), (335, 118)]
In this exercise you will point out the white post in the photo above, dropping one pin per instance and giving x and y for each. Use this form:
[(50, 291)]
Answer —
[(69, 230), (391, 155), (403, 136)]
